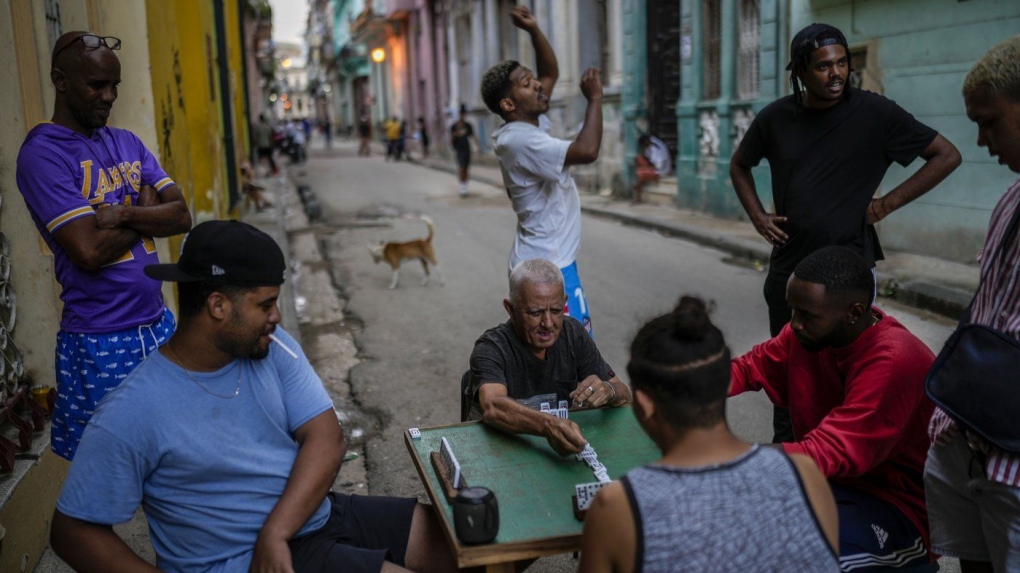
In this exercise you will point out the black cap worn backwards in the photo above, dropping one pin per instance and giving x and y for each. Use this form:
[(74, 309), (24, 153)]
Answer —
[(807, 41), (228, 252)]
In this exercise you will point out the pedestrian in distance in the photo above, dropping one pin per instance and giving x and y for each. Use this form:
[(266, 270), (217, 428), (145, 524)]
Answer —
[(535, 165), (97, 197), (829, 145), (461, 135), (713, 503), (296, 133), (365, 134), (306, 127), (229, 440), (402, 141), (973, 488), (391, 128), (327, 132), (423, 137), (262, 133)]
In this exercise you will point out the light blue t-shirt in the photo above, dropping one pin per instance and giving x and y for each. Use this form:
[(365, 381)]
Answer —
[(207, 469)]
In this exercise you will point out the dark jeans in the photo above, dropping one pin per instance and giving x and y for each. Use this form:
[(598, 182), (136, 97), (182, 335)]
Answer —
[(779, 316)]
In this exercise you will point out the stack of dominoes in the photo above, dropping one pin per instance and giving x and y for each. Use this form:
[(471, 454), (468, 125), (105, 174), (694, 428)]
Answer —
[(592, 459), (560, 411)]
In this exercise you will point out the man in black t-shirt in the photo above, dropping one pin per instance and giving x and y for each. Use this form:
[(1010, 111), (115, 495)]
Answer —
[(829, 146), (539, 355), (461, 134)]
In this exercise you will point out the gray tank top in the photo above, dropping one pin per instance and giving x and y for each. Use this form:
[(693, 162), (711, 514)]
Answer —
[(749, 514)]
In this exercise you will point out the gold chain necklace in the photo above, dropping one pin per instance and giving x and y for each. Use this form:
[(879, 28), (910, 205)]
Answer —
[(237, 390)]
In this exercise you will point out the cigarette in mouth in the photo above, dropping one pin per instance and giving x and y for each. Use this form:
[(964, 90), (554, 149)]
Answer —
[(283, 346)]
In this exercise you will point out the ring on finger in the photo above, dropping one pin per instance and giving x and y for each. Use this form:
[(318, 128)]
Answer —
[(591, 390)]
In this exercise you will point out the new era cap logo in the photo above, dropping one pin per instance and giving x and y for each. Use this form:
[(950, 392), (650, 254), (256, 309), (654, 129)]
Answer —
[(216, 271)]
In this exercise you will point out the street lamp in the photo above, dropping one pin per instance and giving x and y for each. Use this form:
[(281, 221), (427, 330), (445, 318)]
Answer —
[(378, 55)]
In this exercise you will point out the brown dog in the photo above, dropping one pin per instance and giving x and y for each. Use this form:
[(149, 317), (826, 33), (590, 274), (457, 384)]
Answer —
[(396, 253)]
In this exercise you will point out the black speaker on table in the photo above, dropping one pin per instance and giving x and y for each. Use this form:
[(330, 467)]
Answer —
[(476, 515)]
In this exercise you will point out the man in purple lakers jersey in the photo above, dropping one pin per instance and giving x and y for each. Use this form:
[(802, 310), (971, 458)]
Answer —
[(97, 196)]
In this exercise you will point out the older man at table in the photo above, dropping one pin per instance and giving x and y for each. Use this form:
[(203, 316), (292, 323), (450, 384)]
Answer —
[(539, 355)]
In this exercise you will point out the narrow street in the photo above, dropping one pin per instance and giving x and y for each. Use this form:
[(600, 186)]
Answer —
[(414, 341)]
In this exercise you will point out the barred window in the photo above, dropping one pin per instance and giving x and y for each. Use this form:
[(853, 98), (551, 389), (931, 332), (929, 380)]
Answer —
[(864, 77), (750, 49), (593, 48), (53, 21), (711, 25), (507, 31)]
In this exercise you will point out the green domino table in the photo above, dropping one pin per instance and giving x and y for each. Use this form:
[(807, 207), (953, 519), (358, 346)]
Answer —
[(533, 485)]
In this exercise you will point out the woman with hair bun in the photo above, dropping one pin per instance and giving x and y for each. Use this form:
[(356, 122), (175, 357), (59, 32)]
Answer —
[(713, 502)]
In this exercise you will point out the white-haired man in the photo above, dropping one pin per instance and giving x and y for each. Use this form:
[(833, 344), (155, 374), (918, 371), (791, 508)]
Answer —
[(539, 355)]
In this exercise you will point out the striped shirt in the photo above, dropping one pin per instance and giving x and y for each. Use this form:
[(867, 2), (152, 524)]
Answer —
[(997, 305)]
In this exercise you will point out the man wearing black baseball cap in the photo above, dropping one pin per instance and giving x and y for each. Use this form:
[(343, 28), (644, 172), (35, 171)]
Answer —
[(228, 439), (828, 146)]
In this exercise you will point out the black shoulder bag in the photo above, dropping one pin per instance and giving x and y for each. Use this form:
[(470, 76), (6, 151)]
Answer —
[(976, 377)]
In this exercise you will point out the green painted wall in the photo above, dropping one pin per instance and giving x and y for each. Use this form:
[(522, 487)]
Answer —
[(632, 92), (919, 51)]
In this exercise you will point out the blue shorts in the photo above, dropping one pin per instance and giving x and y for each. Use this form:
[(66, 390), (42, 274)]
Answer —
[(577, 304), (875, 536), (90, 365)]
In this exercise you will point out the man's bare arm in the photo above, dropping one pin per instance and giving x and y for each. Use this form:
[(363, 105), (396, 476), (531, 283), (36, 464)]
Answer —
[(765, 223), (547, 68), (92, 547), (91, 247), (502, 412), (585, 148), (321, 448), (609, 540), (940, 159), (168, 217)]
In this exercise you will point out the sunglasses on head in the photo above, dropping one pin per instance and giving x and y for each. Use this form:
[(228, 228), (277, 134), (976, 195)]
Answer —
[(91, 42)]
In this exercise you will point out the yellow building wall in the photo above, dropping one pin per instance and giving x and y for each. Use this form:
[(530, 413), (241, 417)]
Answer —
[(26, 96), (25, 512), (169, 97), (167, 78), (235, 61), (196, 36)]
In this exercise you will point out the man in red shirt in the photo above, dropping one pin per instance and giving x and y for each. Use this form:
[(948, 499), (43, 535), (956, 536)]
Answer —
[(853, 379)]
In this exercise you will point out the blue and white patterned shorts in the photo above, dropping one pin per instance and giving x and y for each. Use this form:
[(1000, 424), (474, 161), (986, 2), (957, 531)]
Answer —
[(89, 366)]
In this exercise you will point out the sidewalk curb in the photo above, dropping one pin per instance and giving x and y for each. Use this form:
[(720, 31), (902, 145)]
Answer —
[(946, 301), (736, 246), (284, 191)]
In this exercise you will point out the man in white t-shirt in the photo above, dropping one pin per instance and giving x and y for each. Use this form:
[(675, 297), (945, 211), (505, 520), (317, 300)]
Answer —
[(534, 164)]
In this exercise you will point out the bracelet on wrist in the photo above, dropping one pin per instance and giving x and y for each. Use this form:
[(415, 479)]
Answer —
[(611, 387)]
